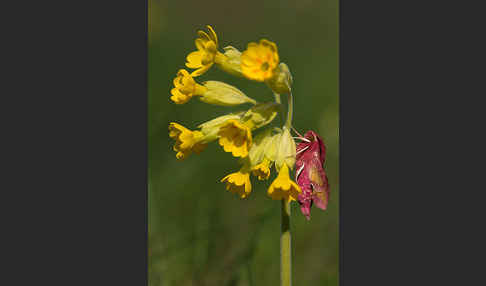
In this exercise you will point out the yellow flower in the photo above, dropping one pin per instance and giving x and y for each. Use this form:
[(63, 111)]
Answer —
[(239, 182), (262, 170), (259, 163), (259, 61), (185, 88), (211, 128), (235, 137), (187, 141), (283, 187), (212, 92), (207, 50)]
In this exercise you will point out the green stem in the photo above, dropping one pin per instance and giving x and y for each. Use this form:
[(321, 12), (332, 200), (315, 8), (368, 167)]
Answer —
[(277, 98), (285, 246), (290, 108), (279, 101)]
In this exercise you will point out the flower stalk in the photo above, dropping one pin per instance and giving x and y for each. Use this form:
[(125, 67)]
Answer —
[(290, 107), (285, 246)]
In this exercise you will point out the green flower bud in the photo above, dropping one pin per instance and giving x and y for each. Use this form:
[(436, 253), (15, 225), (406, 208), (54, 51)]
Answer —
[(282, 80), (272, 146), (258, 147), (260, 114), (231, 61), (286, 150), (220, 93)]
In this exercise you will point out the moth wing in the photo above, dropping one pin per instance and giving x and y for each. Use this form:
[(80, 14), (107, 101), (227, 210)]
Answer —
[(320, 186)]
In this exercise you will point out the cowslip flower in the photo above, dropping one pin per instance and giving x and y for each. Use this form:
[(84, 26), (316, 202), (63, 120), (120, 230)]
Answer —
[(235, 135), (239, 182), (185, 87), (212, 92), (261, 156), (259, 61), (262, 170), (310, 176), (233, 131), (258, 155), (211, 128), (207, 55), (283, 187), (187, 141), (207, 51)]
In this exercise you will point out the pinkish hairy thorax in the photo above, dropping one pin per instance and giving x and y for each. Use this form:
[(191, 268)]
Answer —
[(310, 175)]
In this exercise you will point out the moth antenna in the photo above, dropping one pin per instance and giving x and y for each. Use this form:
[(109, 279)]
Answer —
[(295, 130), (303, 139), (299, 171), (300, 151)]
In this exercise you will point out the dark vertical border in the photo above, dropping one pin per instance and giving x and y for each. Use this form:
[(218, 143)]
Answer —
[(405, 126), (372, 146), (79, 144)]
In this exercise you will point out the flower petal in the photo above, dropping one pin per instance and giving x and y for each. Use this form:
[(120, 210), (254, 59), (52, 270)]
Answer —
[(212, 34)]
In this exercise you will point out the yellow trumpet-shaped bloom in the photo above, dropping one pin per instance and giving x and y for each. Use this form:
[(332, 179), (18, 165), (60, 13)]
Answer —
[(185, 87), (262, 170), (211, 128), (283, 187), (212, 92), (207, 50), (259, 61), (187, 141), (220, 93), (238, 183), (235, 137)]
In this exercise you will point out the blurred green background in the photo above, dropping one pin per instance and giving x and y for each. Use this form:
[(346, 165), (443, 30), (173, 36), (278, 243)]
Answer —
[(199, 233)]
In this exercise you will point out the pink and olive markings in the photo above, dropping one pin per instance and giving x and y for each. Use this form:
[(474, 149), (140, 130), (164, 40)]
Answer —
[(310, 175)]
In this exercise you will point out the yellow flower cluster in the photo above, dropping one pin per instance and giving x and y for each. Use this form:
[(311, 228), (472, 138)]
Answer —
[(234, 131)]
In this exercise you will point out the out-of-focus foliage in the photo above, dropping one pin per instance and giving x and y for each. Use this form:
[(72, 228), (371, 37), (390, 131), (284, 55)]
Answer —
[(199, 233)]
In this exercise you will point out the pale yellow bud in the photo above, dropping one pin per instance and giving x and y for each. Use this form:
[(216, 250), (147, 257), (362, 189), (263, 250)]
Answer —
[(220, 93), (258, 147), (281, 81), (260, 114), (286, 150), (231, 61), (272, 145)]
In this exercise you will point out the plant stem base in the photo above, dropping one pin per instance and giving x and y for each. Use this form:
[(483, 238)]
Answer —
[(285, 246)]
